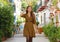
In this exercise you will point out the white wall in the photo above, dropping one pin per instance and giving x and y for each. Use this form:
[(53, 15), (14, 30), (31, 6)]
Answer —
[(42, 14), (18, 6)]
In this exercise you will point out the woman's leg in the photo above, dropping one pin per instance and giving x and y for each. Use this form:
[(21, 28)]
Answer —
[(30, 39), (27, 39)]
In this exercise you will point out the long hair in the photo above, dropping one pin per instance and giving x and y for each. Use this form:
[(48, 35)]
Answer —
[(30, 12)]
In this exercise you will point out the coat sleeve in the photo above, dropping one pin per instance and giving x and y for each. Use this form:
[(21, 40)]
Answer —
[(34, 19), (24, 15)]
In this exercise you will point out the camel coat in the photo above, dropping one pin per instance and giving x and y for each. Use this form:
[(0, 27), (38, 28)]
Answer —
[(28, 27)]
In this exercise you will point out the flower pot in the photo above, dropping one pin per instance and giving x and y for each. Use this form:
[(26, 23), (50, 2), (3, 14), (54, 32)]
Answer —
[(4, 38), (40, 30)]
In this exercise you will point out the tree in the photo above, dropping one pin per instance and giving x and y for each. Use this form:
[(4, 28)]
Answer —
[(5, 2), (54, 2)]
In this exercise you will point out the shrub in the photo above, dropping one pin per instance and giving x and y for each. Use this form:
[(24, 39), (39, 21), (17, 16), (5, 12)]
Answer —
[(51, 32), (58, 33), (6, 20), (1, 35)]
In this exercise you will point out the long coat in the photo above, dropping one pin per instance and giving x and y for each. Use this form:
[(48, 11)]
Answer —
[(28, 27)]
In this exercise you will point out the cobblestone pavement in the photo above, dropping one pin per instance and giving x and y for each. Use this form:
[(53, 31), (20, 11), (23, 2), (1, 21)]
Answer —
[(20, 38)]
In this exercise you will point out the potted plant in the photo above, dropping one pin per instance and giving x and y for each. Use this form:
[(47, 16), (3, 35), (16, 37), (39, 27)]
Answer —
[(46, 29), (52, 35), (37, 23), (51, 32), (40, 30)]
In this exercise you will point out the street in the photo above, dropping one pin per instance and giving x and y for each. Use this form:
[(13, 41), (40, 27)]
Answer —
[(20, 38)]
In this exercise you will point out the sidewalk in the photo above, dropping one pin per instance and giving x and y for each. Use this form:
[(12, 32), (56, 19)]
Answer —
[(20, 38)]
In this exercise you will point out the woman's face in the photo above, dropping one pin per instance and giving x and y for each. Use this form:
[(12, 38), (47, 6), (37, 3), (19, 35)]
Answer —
[(29, 9)]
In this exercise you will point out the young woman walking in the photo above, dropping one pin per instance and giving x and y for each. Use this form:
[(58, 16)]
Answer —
[(30, 23)]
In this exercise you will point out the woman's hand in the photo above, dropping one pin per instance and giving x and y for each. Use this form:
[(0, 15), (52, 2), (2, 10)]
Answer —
[(21, 14), (36, 28)]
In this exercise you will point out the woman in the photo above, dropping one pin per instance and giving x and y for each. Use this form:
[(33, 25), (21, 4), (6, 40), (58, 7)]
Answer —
[(29, 32)]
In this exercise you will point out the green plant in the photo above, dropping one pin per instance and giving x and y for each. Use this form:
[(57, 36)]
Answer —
[(54, 2), (1, 35), (51, 32), (5, 2), (24, 4), (58, 33), (46, 29), (19, 22), (37, 23), (6, 19)]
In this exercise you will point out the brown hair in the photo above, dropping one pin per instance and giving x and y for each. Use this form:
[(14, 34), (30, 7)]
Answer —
[(32, 14), (31, 11)]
